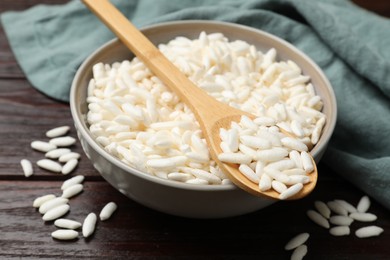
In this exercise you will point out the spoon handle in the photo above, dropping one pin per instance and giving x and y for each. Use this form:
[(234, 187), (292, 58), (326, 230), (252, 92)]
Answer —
[(197, 99)]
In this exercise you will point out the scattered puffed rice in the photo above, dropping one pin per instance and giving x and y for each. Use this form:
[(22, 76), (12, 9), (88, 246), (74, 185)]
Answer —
[(322, 208), (363, 217), (50, 204), (56, 212), (296, 241), (337, 208), (42, 146), (69, 166), (49, 165), (63, 141), (27, 167), (363, 204), (42, 199), (339, 231), (65, 234), (369, 231), (58, 131), (72, 191), (89, 225), (347, 206), (56, 153), (299, 252), (107, 211), (341, 220), (72, 181), (67, 223), (318, 218), (66, 157)]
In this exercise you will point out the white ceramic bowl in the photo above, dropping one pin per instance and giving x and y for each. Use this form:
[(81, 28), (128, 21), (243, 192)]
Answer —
[(172, 197)]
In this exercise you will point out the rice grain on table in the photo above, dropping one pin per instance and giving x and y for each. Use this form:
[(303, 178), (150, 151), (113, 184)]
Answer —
[(72, 191), (337, 208), (56, 212), (52, 203), (363, 204), (339, 231), (72, 181), (57, 131), (348, 206), (296, 241), (322, 208), (65, 234), (107, 211), (27, 167), (369, 231), (42, 146), (67, 223), (42, 199), (299, 252), (340, 220), (66, 157), (363, 217), (318, 218), (89, 225), (69, 166), (49, 165)]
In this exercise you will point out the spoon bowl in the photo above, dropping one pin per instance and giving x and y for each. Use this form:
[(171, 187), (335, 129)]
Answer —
[(211, 114)]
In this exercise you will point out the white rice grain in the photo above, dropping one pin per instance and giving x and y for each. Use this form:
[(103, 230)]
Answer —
[(299, 252), (363, 204), (340, 220), (297, 241), (52, 203), (340, 231), (72, 191), (69, 166), (58, 131), (322, 208), (249, 173), (363, 217), (337, 208), (348, 206), (27, 167), (66, 157), (107, 211), (369, 231), (318, 218), (67, 223), (56, 212), (65, 234), (291, 191), (49, 165), (56, 153), (89, 225), (42, 199), (72, 181), (42, 146), (63, 141)]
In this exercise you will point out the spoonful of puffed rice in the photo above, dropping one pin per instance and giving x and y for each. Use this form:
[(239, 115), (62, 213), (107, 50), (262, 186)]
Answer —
[(257, 156)]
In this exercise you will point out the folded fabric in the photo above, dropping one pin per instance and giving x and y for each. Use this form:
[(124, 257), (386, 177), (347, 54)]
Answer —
[(351, 45)]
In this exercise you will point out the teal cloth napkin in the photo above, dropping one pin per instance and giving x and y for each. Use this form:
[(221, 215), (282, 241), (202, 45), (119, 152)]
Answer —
[(350, 44)]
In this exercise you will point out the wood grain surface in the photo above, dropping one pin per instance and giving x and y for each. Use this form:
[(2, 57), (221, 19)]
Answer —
[(134, 231)]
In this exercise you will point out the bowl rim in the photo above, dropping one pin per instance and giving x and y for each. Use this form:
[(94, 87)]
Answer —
[(331, 121)]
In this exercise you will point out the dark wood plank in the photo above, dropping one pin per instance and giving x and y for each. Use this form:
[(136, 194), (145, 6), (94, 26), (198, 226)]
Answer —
[(138, 231)]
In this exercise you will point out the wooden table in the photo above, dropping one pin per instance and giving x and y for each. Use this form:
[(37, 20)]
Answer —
[(135, 231)]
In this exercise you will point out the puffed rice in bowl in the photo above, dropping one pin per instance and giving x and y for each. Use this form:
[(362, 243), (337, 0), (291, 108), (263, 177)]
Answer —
[(125, 145)]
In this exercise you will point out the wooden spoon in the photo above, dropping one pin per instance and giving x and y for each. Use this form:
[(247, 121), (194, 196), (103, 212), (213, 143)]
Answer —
[(210, 113)]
